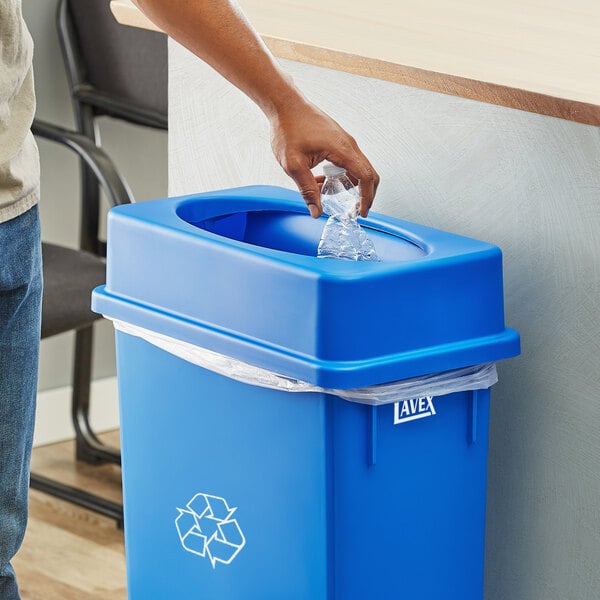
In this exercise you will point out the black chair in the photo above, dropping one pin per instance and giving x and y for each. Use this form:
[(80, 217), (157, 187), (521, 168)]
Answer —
[(70, 275), (118, 72)]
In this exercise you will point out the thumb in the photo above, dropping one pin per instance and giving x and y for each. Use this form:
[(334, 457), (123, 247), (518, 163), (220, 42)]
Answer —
[(309, 188)]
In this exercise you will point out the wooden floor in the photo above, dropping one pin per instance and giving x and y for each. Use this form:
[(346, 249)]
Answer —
[(70, 553)]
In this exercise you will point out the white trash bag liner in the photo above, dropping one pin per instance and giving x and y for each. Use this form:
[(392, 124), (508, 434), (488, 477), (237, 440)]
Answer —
[(439, 384)]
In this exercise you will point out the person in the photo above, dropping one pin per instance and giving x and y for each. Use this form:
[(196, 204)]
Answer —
[(302, 136), (20, 284)]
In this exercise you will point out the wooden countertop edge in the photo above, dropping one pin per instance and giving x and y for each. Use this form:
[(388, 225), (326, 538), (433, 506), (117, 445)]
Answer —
[(472, 89)]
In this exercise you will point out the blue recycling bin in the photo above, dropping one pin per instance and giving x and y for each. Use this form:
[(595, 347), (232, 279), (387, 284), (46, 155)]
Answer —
[(234, 491)]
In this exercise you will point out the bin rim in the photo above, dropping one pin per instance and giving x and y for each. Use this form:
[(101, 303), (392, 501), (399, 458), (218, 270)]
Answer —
[(323, 373)]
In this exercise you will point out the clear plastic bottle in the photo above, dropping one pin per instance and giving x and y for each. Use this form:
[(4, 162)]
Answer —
[(339, 195), (342, 236)]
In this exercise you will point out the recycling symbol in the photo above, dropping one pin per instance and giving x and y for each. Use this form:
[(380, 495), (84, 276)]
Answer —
[(206, 528)]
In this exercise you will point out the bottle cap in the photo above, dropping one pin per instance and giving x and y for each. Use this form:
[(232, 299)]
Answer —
[(331, 170)]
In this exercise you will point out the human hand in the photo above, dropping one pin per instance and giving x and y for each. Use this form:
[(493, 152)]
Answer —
[(302, 136)]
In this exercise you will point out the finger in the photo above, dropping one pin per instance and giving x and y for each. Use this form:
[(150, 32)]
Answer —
[(360, 170), (368, 180), (366, 191), (308, 187)]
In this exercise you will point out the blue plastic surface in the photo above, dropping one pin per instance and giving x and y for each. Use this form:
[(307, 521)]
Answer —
[(320, 520), (236, 272)]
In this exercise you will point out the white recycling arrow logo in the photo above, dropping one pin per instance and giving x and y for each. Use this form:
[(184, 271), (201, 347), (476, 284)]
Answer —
[(206, 528)]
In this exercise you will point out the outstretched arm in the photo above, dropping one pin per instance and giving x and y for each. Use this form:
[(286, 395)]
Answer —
[(301, 135)]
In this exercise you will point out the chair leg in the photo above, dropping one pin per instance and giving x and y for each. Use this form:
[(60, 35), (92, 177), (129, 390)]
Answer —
[(89, 448), (105, 507)]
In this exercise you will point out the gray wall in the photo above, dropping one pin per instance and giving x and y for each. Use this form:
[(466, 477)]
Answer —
[(140, 154), (530, 184)]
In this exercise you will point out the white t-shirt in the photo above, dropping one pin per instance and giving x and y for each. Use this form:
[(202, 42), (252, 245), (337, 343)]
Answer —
[(19, 162)]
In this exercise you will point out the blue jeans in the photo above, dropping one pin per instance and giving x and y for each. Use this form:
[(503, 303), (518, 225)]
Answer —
[(20, 317)]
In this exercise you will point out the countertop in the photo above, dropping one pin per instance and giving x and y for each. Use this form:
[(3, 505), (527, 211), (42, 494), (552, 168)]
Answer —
[(542, 56)]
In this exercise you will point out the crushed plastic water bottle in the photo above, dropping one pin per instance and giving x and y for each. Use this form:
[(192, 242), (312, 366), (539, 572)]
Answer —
[(342, 237)]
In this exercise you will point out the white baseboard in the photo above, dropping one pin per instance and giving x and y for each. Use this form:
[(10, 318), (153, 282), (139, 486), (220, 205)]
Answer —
[(53, 416)]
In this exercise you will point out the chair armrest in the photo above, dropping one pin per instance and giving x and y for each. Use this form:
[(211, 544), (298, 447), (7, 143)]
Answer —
[(115, 187)]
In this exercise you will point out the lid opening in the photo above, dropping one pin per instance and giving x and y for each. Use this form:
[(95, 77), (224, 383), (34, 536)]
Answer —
[(297, 233)]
